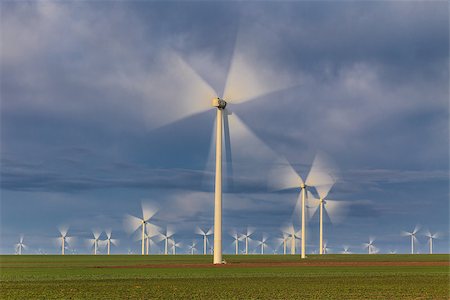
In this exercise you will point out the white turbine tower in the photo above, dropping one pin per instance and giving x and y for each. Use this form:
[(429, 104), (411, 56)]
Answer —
[(20, 246), (431, 237), (205, 237), (370, 246), (320, 176), (412, 234), (95, 241), (132, 223), (110, 241), (246, 238)]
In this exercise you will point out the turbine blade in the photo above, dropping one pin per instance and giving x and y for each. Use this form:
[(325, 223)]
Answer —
[(283, 176), (96, 233), (63, 229), (416, 229), (248, 79), (108, 233), (192, 94), (152, 230), (336, 210), (312, 205), (148, 210), (210, 231), (322, 175), (228, 165), (199, 231), (132, 223)]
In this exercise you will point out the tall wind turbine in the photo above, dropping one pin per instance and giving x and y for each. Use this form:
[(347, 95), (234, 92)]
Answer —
[(132, 223), (320, 176), (370, 246), (431, 237), (412, 234), (243, 82), (110, 241), (205, 237), (20, 246)]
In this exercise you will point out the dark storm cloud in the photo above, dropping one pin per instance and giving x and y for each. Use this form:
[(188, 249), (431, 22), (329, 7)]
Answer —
[(85, 88)]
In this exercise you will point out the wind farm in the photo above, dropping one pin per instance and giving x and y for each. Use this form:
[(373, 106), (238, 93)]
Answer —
[(224, 150)]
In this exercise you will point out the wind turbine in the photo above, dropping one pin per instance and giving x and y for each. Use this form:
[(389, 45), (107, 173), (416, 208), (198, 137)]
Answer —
[(320, 176), (20, 246), (325, 248), (243, 83), (132, 223), (293, 236), (263, 243), (370, 246), (191, 247), (110, 241), (63, 239), (283, 241), (246, 237), (205, 237), (412, 234), (236, 239), (431, 237), (166, 237), (346, 250), (95, 240)]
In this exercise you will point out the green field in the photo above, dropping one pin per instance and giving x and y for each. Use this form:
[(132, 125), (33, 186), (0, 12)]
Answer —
[(244, 277)]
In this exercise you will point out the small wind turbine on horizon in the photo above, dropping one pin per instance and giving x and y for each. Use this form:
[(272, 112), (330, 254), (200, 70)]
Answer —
[(110, 241), (412, 234), (63, 239), (132, 223), (95, 241), (431, 237), (283, 241), (166, 237), (246, 238), (20, 246), (191, 248), (370, 246), (236, 239), (320, 176), (346, 250), (205, 234), (293, 237), (263, 243)]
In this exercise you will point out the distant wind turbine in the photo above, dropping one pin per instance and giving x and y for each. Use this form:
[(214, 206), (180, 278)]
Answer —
[(370, 246), (110, 241), (166, 237), (346, 250), (132, 223), (205, 237), (412, 234), (263, 243), (191, 248), (63, 239), (94, 242), (294, 236), (431, 237), (246, 237), (20, 246), (236, 239)]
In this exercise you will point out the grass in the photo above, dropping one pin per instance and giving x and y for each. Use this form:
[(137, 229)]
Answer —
[(83, 277)]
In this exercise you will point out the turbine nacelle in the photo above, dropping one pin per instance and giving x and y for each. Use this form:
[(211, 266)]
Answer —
[(219, 103)]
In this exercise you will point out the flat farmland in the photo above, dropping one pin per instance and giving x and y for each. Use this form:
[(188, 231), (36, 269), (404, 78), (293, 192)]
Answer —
[(243, 277)]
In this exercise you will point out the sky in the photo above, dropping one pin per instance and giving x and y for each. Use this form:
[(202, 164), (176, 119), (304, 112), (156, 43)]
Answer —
[(107, 104)]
